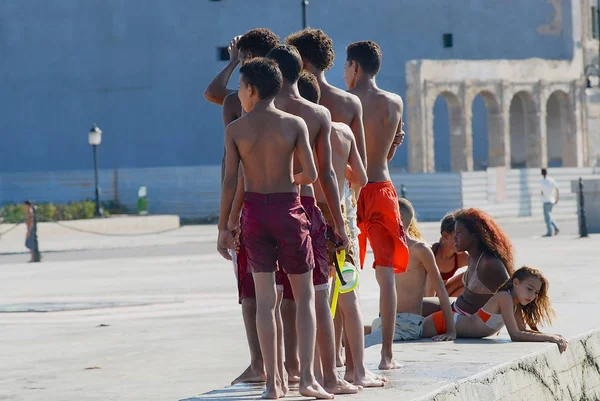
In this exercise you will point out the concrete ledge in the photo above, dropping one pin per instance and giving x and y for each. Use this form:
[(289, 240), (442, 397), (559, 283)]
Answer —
[(542, 376), (115, 225)]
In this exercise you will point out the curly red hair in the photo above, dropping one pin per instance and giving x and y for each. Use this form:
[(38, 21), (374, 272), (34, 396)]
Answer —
[(492, 239)]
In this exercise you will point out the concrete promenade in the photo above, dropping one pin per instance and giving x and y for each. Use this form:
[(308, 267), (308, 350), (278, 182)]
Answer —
[(156, 318)]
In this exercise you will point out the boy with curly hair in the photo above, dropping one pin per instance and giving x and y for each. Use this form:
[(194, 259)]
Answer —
[(316, 49)]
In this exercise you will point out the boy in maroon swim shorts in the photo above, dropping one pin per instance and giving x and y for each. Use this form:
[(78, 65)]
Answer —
[(275, 228)]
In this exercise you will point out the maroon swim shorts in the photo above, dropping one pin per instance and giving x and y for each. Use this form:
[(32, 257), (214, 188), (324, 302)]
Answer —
[(318, 228), (275, 228), (245, 281)]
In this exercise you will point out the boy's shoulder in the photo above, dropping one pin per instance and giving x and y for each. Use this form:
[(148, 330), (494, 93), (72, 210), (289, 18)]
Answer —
[(341, 129), (419, 246), (236, 124), (351, 98), (391, 97), (290, 120), (322, 111)]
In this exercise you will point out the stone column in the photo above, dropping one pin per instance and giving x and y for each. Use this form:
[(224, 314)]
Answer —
[(499, 128), (571, 143), (535, 128), (417, 131), (499, 139), (575, 144), (461, 138), (461, 129)]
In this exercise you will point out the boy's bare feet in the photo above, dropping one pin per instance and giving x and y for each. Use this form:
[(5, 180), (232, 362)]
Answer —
[(293, 373), (285, 386), (251, 375), (341, 387), (273, 391), (349, 375), (388, 363), (371, 380), (315, 390), (339, 358)]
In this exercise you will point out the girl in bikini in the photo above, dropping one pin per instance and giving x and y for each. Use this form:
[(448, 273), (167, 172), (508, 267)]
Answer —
[(521, 304), (448, 260), (491, 261)]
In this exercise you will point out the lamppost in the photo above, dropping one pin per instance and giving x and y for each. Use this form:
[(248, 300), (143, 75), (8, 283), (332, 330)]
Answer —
[(595, 74), (595, 67), (304, 13), (95, 139)]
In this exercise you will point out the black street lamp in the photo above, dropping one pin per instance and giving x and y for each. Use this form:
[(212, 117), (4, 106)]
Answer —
[(95, 139), (304, 13), (595, 74), (595, 67)]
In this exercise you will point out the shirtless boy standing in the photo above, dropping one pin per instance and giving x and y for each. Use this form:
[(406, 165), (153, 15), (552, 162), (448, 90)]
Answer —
[(275, 227), (316, 49), (346, 161), (318, 121), (254, 43), (378, 215), (410, 287)]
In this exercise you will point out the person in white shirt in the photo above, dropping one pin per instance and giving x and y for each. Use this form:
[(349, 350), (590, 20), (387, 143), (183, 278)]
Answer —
[(550, 197)]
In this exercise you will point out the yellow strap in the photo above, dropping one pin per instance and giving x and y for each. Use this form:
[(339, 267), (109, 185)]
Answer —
[(341, 257)]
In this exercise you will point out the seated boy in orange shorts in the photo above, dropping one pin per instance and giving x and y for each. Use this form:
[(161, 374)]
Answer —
[(274, 224)]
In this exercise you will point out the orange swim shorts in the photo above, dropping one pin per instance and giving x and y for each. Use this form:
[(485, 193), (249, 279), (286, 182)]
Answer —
[(379, 221)]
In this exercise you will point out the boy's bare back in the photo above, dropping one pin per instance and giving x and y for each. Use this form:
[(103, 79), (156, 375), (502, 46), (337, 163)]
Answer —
[(266, 141), (343, 106), (382, 119), (342, 143), (411, 284), (316, 118)]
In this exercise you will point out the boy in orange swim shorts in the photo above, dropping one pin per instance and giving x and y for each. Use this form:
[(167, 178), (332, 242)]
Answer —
[(378, 216)]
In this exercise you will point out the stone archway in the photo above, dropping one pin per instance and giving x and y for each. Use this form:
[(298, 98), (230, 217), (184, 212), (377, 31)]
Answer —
[(561, 133), (524, 131), (449, 138)]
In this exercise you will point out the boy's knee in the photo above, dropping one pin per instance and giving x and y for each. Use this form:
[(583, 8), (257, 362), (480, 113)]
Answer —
[(249, 303), (266, 301)]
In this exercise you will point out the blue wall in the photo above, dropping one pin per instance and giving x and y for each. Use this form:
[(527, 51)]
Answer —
[(138, 67)]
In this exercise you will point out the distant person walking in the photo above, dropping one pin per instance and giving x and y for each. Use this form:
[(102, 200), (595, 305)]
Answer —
[(31, 241), (550, 197)]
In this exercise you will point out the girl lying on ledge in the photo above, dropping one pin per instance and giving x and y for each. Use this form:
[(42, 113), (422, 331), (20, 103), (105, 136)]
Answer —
[(522, 301)]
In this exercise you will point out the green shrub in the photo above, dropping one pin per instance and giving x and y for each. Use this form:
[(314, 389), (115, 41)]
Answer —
[(15, 213)]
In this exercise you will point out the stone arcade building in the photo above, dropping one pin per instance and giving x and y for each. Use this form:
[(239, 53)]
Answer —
[(538, 110), (534, 111)]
